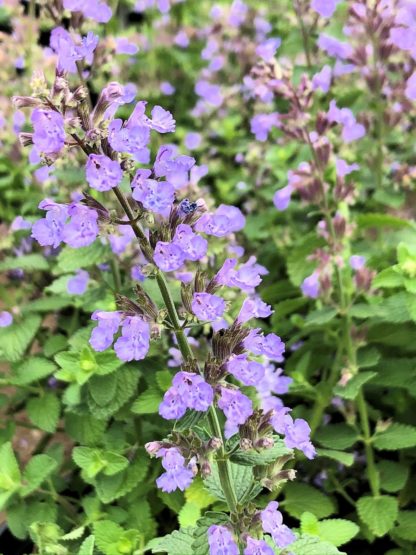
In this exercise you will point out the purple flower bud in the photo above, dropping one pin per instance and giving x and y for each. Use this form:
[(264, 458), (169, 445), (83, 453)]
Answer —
[(257, 547), (271, 346), (221, 541), (225, 220), (249, 372), (177, 475), (193, 246), (6, 319), (103, 173), (49, 131), (236, 407), (272, 523), (134, 341), (297, 435), (310, 286), (267, 49), (181, 39), (282, 197), (167, 88), (77, 285), (103, 335), (253, 308), (168, 256), (207, 307)]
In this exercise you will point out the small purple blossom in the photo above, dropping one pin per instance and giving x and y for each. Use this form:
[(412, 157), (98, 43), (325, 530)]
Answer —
[(297, 435), (257, 547), (270, 346), (194, 246), (193, 140), (48, 231), (82, 229), (225, 220), (249, 372), (168, 256), (157, 196), (6, 319), (253, 308), (97, 10), (177, 475), (310, 286), (207, 307), (77, 285), (282, 197), (162, 120), (343, 168), (325, 8), (188, 391), (272, 523), (19, 223), (261, 125), (209, 92), (103, 173), (267, 49), (181, 39), (221, 541), (236, 407), (134, 341), (102, 335), (124, 46), (48, 130), (167, 88), (334, 47), (322, 79), (357, 262)]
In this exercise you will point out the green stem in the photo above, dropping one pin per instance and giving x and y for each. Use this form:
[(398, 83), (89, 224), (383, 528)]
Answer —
[(115, 270), (372, 472), (304, 33), (224, 470)]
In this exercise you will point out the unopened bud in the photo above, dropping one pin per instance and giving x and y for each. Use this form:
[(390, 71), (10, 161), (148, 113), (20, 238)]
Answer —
[(214, 444), (26, 102), (264, 443), (206, 469), (246, 444), (153, 447)]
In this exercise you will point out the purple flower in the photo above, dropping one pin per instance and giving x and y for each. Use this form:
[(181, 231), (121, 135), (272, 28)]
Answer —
[(248, 276), (103, 173), (174, 168), (20, 223), (297, 435), (238, 13), (257, 547), (225, 220), (48, 130), (249, 372), (236, 407), (167, 88), (325, 8), (77, 285), (272, 523), (221, 541), (82, 229), (343, 168), (194, 246), (357, 262), (253, 308), (177, 475), (282, 197), (271, 346), (68, 52), (207, 307), (192, 140), (123, 46), (261, 125), (410, 90), (334, 47), (181, 39), (157, 196), (121, 240), (97, 10), (102, 336), (48, 231), (188, 391), (322, 79), (134, 341), (168, 256), (132, 139), (162, 120), (310, 286), (6, 319), (268, 48), (209, 92)]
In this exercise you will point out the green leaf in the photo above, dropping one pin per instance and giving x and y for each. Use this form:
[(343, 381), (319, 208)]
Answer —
[(110, 488), (298, 265), (103, 388), (241, 478), (15, 339), (337, 531), (378, 513), (178, 542), (320, 317), (36, 472), (111, 539), (54, 344), (27, 262), (189, 514), (347, 459), (393, 475), (302, 497), (70, 260), (32, 369), (127, 379), (9, 473), (354, 385), (198, 495), (44, 412), (406, 526), (87, 547), (397, 436), (262, 457), (84, 429), (382, 220), (389, 277), (311, 545), (200, 543), (148, 402), (337, 436)]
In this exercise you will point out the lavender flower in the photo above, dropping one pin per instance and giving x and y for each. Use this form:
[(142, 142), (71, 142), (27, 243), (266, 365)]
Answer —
[(334, 47), (236, 407), (134, 341), (297, 435), (310, 286), (225, 220), (253, 308), (103, 173), (282, 197), (156, 196), (271, 346), (357, 262), (168, 256), (272, 523), (188, 391), (261, 125), (97, 10), (77, 285), (207, 307), (249, 372), (82, 229), (49, 132), (322, 79), (325, 8), (177, 475), (192, 140), (6, 319), (221, 541), (257, 547), (268, 48), (102, 336), (194, 246), (48, 230)]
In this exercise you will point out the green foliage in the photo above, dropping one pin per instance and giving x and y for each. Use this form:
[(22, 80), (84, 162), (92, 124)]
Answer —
[(302, 497), (378, 513)]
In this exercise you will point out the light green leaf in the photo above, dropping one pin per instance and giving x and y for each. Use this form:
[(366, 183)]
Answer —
[(110, 488), (397, 436), (15, 339), (337, 531), (302, 497), (406, 526), (262, 457), (36, 472), (320, 317), (378, 513), (311, 545), (70, 260), (32, 369), (87, 547), (27, 262), (44, 412), (189, 515), (10, 476), (178, 542), (148, 402), (389, 277)]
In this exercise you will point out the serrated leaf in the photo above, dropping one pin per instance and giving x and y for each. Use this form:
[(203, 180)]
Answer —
[(74, 534), (148, 402), (111, 539), (164, 379), (241, 478), (378, 513), (397, 436), (311, 545), (347, 459), (103, 388), (188, 515), (303, 497), (36, 471), (32, 369), (178, 542), (406, 526), (337, 531), (27, 262), (382, 220), (262, 457), (110, 488), (393, 475), (70, 260), (309, 524), (198, 495), (337, 436), (9, 473), (87, 547), (84, 429), (44, 412), (388, 278), (354, 385), (15, 339), (127, 379)]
